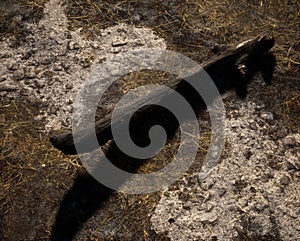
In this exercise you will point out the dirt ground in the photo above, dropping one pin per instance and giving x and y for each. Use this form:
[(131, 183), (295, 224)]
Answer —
[(48, 47)]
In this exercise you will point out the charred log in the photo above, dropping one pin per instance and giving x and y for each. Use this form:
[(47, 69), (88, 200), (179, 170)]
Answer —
[(231, 69)]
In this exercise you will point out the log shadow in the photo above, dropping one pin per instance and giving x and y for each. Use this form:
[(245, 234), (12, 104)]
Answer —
[(87, 195)]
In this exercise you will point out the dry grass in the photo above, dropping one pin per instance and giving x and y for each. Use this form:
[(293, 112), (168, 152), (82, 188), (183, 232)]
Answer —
[(13, 14), (34, 175), (192, 27)]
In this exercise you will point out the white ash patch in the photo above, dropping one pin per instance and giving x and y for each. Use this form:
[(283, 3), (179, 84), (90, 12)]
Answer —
[(254, 191), (51, 65)]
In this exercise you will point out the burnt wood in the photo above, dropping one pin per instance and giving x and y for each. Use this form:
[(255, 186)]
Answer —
[(231, 69)]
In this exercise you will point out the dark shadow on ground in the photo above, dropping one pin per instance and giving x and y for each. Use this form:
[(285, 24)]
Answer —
[(88, 195)]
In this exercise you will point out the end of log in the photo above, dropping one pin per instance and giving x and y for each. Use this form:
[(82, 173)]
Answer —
[(267, 41), (64, 142), (263, 43)]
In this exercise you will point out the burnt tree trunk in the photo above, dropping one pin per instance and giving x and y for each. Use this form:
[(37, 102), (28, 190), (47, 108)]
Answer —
[(231, 69)]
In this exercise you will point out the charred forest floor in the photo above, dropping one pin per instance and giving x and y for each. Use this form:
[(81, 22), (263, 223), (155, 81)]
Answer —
[(38, 182)]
